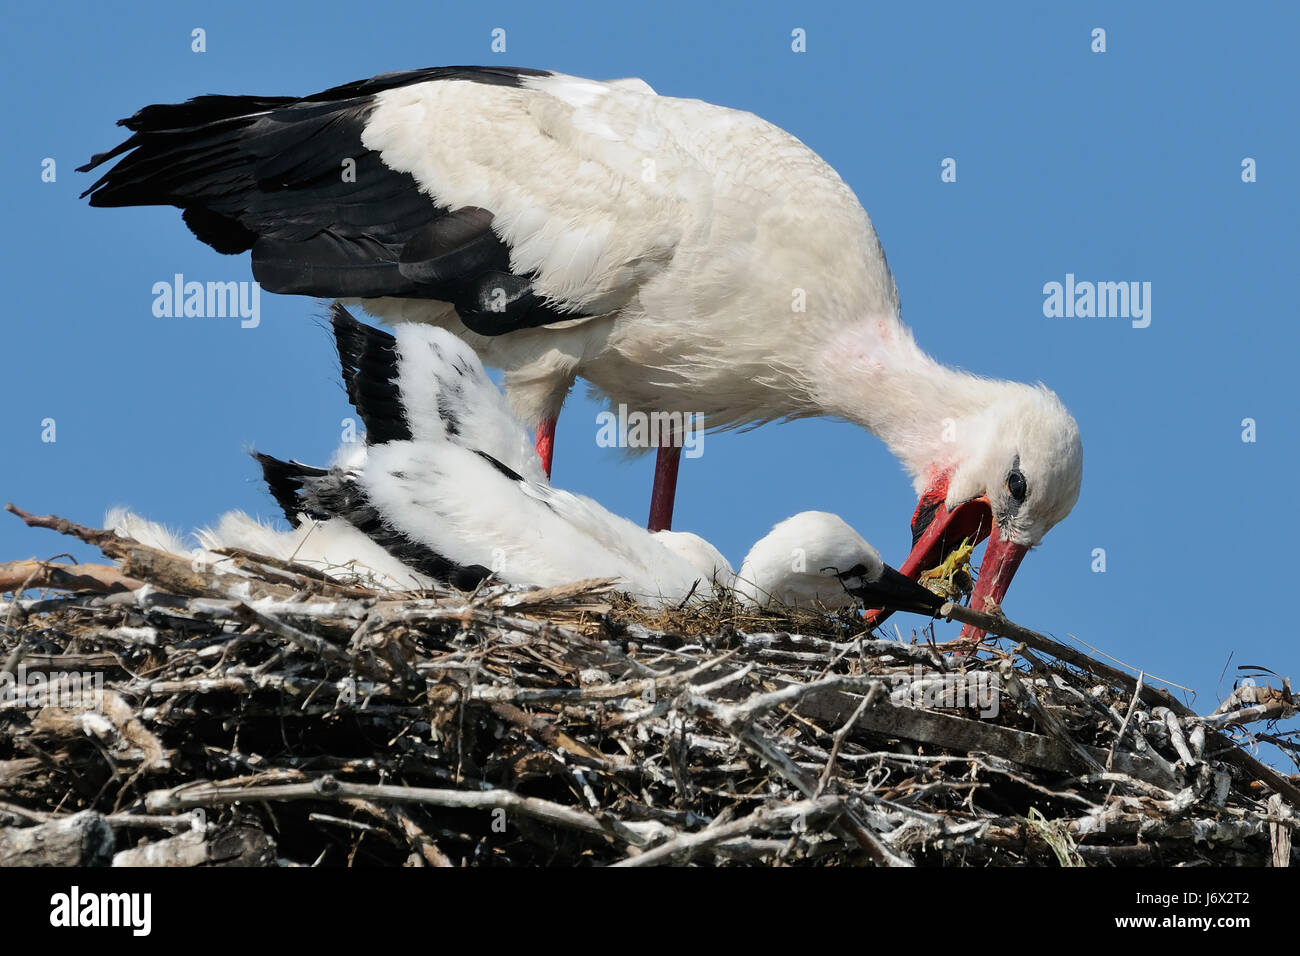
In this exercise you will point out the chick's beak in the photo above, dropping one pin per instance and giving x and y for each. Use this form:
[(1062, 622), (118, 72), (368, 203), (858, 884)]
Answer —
[(898, 592)]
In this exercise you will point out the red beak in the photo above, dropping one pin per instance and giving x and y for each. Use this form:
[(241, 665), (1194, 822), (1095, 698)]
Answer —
[(1001, 558), (936, 531)]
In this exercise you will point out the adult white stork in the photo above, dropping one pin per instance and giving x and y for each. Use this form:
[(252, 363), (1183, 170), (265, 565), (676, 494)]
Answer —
[(655, 246), (434, 496)]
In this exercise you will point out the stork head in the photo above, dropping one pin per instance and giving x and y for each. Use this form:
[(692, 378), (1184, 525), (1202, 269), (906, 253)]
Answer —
[(814, 559), (1015, 472)]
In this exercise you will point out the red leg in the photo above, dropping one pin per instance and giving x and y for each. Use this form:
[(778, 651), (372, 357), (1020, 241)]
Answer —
[(876, 617), (546, 443), (665, 489)]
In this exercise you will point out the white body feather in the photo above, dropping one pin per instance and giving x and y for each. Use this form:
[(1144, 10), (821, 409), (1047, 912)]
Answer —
[(332, 547)]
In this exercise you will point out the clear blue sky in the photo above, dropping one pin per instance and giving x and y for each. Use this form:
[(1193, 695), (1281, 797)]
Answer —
[(1117, 166)]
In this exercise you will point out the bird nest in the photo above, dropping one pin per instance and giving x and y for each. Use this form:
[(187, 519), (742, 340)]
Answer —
[(254, 712)]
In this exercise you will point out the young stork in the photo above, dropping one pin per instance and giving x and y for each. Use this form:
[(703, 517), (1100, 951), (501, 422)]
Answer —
[(655, 246), (814, 559), (434, 496)]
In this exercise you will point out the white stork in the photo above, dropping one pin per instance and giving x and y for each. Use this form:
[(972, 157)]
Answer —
[(654, 246), (434, 495), (811, 560)]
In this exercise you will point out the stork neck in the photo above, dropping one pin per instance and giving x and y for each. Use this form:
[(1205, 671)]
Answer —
[(875, 375)]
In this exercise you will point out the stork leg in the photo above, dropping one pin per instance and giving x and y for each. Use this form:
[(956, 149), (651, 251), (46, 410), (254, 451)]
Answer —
[(665, 488), (876, 617), (546, 443)]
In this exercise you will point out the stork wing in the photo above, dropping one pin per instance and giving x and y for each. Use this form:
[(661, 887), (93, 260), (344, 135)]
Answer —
[(427, 386), (520, 197)]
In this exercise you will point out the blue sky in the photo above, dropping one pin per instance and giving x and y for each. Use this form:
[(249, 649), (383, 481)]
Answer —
[(1115, 166)]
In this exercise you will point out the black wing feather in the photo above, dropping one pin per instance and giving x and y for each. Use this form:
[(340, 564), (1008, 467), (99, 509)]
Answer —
[(302, 490), (368, 359), (287, 482), (266, 174)]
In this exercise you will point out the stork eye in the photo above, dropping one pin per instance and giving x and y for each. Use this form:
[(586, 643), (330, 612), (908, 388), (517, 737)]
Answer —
[(1016, 485)]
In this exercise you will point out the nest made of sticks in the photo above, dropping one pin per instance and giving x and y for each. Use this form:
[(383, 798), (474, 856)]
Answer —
[(254, 712)]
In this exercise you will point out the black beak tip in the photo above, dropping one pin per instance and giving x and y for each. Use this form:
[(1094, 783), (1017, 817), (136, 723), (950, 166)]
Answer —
[(894, 591)]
